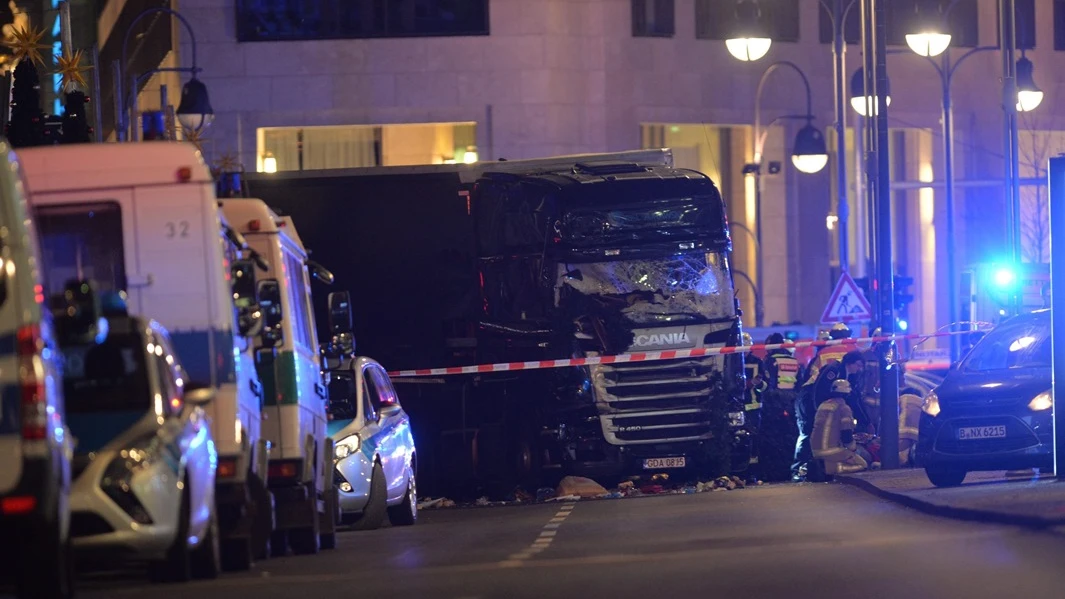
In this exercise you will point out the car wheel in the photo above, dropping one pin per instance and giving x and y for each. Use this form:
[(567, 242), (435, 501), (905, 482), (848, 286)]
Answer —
[(373, 516), (176, 566), (206, 559), (406, 513), (942, 476)]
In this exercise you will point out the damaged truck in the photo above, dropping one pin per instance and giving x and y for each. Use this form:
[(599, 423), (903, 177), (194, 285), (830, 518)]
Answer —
[(546, 259)]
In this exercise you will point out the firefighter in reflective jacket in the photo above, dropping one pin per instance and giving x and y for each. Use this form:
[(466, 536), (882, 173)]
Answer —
[(829, 353), (833, 434), (781, 367), (909, 421)]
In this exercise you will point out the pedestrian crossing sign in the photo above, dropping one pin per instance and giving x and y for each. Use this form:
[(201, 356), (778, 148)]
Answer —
[(848, 303)]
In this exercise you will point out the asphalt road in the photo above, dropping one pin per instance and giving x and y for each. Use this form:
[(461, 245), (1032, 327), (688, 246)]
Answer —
[(794, 541)]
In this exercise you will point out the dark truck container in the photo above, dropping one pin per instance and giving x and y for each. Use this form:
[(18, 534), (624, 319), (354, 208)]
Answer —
[(536, 260)]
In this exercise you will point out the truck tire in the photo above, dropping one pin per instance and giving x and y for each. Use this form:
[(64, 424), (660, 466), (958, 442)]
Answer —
[(304, 541), (329, 519), (279, 543), (177, 565), (373, 516), (49, 572), (263, 520), (237, 555)]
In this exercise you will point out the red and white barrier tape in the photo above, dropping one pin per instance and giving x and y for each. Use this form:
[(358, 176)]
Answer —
[(671, 354)]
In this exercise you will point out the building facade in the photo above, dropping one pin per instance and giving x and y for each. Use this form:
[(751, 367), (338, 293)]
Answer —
[(308, 84)]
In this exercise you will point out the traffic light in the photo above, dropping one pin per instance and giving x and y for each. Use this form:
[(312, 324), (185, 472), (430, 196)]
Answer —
[(903, 299)]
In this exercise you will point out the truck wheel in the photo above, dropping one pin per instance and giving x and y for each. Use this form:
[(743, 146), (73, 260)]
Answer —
[(406, 513), (373, 516), (328, 537), (237, 555), (263, 518), (206, 562), (49, 573), (304, 541), (278, 543), (176, 566)]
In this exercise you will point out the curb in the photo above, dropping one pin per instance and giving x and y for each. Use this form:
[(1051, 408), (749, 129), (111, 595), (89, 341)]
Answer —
[(949, 511)]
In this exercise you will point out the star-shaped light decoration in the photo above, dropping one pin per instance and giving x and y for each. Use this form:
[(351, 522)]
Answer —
[(194, 138), (228, 163), (27, 44), (70, 70)]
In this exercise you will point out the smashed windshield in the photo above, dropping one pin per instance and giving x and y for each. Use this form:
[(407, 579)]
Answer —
[(1021, 344), (682, 288)]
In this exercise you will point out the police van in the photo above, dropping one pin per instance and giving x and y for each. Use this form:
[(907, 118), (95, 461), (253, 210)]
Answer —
[(143, 218), (35, 444), (290, 368)]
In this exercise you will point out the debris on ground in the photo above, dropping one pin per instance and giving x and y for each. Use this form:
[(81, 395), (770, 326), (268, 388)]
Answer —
[(580, 486), (576, 488)]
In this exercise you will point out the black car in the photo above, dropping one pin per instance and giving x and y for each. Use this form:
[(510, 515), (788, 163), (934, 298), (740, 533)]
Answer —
[(993, 410)]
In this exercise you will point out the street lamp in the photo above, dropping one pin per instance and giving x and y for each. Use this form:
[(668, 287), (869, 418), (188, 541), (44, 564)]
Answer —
[(808, 153), (194, 112), (862, 103), (1029, 96), (931, 37), (751, 42)]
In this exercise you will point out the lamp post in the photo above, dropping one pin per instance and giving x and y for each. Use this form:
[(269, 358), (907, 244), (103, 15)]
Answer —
[(809, 154), (750, 41), (194, 111)]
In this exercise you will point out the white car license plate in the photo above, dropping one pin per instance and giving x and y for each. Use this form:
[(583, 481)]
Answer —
[(655, 463), (968, 433)]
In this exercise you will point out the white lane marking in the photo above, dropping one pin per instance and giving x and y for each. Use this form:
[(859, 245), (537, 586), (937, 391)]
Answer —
[(540, 543)]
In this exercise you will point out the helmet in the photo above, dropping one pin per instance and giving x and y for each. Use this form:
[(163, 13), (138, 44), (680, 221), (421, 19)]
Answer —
[(840, 331), (823, 336), (775, 339), (746, 339), (840, 388)]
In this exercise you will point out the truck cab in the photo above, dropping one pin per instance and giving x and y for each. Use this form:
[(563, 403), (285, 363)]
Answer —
[(143, 219), (289, 365)]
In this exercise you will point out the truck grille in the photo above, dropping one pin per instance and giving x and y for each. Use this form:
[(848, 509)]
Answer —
[(656, 402)]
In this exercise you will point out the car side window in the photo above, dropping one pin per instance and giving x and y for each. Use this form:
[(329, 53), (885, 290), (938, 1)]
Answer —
[(369, 396), (173, 401), (386, 394)]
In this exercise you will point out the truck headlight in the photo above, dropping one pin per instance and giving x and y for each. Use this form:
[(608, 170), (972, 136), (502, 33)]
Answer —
[(931, 404), (346, 447), (1043, 401)]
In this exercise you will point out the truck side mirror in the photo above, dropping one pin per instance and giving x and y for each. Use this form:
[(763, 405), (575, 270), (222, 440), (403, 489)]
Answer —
[(320, 272), (242, 281), (77, 313), (270, 305), (340, 320)]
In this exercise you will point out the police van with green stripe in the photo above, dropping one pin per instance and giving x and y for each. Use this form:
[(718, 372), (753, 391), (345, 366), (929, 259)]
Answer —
[(289, 365)]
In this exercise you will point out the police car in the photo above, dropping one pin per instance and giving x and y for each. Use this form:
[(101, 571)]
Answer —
[(145, 460), (35, 445)]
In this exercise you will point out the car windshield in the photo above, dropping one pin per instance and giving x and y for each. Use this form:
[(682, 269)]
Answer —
[(1020, 344), (111, 376), (682, 288)]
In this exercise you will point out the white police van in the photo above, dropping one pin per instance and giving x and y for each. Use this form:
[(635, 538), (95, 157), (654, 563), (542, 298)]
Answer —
[(289, 364), (35, 445), (143, 218)]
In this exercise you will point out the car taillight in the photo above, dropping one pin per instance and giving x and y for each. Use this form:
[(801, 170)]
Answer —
[(227, 468), (17, 505), (31, 382), (284, 469)]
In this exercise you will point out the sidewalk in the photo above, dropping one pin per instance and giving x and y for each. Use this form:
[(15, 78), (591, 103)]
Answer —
[(985, 496)]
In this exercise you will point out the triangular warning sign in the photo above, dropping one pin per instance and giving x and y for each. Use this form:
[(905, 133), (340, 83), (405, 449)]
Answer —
[(848, 303)]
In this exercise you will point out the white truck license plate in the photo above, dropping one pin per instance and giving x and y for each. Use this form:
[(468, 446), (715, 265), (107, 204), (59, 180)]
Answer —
[(655, 463), (967, 433)]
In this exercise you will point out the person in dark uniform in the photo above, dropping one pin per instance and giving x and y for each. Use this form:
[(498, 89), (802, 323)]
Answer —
[(779, 430), (812, 394)]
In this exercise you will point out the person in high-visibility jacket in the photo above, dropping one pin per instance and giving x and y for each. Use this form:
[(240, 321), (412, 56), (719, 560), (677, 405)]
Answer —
[(781, 367), (810, 398), (909, 421), (832, 439), (829, 353), (778, 432)]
